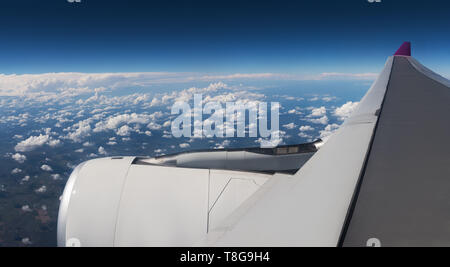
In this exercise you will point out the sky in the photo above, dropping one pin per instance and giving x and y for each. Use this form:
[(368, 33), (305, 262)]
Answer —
[(289, 37)]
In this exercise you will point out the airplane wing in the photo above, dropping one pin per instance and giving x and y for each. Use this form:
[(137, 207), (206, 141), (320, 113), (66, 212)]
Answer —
[(381, 179)]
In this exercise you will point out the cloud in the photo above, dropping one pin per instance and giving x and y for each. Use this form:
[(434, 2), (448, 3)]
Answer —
[(345, 110), (154, 126), (79, 130), (222, 145), (328, 131), (102, 151), (290, 126), (56, 176), (269, 143), (16, 171), (185, 145), (87, 144), (295, 111), (41, 189), (54, 142), (19, 157), (318, 112), (321, 120), (26, 241), (304, 135), (26, 208), (46, 168), (46, 85), (114, 122), (34, 142), (25, 179), (124, 130), (306, 128), (329, 98)]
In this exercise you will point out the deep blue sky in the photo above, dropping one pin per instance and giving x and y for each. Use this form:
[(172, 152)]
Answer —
[(307, 36)]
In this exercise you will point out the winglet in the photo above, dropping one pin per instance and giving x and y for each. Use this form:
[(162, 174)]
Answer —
[(404, 50)]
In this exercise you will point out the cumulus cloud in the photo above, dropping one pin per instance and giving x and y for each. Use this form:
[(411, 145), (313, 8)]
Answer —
[(41, 189), (304, 135), (102, 151), (87, 144), (25, 179), (318, 112), (26, 241), (54, 142), (79, 130), (16, 171), (328, 98), (124, 130), (306, 128), (295, 111), (185, 145), (321, 120), (114, 122), (34, 142), (328, 131), (56, 176), (345, 110), (19, 157), (26, 208), (290, 126), (269, 143), (154, 126), (222, 145), (46, 168)]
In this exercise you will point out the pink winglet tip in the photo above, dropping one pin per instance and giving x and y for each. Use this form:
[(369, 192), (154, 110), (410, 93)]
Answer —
[(404, 50)]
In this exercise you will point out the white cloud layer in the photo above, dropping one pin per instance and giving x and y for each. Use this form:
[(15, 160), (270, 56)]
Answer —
[(72, 83)]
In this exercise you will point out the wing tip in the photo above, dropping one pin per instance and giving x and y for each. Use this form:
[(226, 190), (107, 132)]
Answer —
[(404, 50)]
